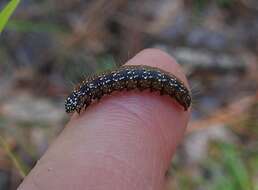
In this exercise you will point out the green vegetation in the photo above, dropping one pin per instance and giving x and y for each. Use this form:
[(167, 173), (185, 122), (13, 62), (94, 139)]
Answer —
[(227, 167), (236, 174), (199, 5), (7, 12), (225, 3), (29, 26)]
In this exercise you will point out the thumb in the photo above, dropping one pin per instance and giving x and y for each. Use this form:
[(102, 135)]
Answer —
[(125, 141)]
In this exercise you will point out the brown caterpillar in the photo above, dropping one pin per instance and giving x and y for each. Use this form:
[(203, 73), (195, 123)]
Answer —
[(127, 78)]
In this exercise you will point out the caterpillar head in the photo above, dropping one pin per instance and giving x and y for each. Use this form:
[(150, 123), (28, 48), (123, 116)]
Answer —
[(72, 102)]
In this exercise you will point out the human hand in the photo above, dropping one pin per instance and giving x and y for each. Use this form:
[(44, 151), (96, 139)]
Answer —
[(124, 142)]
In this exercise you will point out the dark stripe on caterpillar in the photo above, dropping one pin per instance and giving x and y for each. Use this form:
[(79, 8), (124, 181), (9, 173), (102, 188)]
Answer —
[(127, 78)]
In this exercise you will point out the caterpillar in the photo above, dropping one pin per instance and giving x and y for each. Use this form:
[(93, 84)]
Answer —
[(128, 77)]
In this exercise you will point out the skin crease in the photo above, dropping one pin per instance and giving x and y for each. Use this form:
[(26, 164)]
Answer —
[(125, 141)]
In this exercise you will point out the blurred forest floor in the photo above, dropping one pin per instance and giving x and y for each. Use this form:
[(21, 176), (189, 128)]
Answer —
[(49, 45)]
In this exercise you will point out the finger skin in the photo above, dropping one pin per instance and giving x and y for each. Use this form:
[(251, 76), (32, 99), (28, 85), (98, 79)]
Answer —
[(123, 142)]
